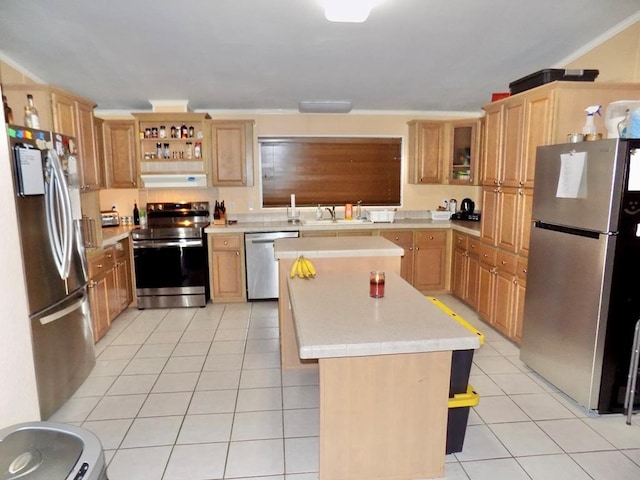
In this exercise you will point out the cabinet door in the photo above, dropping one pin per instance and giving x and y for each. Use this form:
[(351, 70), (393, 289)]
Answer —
[(120, 156), (486, 291), (519, 290), (509, 211), (404, 239), (64, 115), (472, 280), (464, 152), (537, 131), (503, 306), (490, 215), (226, 275), (427, 146), (459, 270), (525, 206), (231, 145), (99, 303), (122, 285), (492, 148), (430, 259), (91, 171), (513, 134)]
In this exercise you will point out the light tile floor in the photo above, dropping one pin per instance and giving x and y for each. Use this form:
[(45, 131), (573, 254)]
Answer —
[(197, 394)]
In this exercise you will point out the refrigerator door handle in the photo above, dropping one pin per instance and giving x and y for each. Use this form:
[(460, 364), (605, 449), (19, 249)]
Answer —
[(65, 311), (59, 220)]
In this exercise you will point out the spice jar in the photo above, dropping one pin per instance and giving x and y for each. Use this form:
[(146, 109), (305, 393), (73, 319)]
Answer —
[(162, 132)]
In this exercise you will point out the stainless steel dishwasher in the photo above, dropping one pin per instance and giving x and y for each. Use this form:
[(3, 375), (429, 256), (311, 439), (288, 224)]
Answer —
[(262, 266)]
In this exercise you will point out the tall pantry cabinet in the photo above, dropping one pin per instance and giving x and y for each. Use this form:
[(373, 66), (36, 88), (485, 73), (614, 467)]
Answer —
[(513, 129)]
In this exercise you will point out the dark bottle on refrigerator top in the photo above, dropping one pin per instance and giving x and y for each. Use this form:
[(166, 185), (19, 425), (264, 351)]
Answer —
[(8, 113), (136, 214)]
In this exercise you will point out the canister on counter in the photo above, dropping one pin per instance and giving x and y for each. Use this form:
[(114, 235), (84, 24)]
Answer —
[(575, 138), (348, 211)]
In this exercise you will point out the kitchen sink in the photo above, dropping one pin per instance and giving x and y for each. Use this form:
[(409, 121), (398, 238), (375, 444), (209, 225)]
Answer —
[(328, 222)]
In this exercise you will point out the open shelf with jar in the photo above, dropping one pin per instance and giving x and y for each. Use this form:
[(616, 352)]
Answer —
[(172, 143)]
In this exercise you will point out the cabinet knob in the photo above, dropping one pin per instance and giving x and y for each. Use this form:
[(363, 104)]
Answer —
[(503, 262), (237, 253), (99, 265), (524, 270), (430, 237), (226, 243)]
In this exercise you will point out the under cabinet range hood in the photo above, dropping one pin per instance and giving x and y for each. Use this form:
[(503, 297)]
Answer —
[(174, 180)]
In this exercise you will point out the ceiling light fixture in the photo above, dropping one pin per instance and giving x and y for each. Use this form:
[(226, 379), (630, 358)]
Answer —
[(324, 106), (351, 11)]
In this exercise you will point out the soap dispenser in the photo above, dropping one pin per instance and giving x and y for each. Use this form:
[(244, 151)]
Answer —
[(319, 212)]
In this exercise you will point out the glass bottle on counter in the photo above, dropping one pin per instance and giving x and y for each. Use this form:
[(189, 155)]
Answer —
[(136, 214), (31, 118)]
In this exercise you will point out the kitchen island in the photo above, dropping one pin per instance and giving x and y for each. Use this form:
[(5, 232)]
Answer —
[(329, 255), (384, 374)]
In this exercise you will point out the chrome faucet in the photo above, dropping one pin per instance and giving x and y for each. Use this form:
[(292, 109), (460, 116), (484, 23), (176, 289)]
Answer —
[(332, 211)]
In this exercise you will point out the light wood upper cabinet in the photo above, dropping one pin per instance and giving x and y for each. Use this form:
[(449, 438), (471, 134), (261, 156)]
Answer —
[(232, 152), (464, 152), (444, 152), (91, 169), (427, 142), (158, 154), (120, 154), (492, 154), (68, 114)]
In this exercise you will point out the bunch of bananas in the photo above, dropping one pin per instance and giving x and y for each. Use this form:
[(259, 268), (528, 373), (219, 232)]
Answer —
[(302, 268)]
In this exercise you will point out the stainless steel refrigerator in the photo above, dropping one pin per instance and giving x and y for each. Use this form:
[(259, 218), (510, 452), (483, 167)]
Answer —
[(582, 298), (46, 168)]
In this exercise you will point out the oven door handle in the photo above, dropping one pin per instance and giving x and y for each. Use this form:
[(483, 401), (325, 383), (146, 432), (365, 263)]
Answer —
[(187, 243)]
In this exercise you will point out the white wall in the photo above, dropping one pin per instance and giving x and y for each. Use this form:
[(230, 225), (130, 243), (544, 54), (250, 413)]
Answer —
[(19, 397)]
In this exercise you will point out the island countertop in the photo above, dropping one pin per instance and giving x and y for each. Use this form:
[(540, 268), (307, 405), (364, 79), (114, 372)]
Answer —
[(317, 247), (334, 316)]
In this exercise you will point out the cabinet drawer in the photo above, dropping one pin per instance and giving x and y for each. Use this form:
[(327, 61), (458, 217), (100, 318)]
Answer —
[(460, 240), (121, 250), (507, 262), (110, 256), (431, 236), (96, 264), (226, 242), (522, 264), (473, 246), (399, 236), (488, 254)]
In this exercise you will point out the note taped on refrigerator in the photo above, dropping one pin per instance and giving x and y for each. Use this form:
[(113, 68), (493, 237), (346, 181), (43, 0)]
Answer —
[(572, 181), (30, 172), (634, 171)]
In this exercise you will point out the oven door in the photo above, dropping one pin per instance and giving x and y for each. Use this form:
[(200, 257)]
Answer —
[(168, 269)]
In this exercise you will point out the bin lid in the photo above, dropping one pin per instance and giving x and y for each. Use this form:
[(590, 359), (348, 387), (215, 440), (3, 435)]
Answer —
[(38, 454)]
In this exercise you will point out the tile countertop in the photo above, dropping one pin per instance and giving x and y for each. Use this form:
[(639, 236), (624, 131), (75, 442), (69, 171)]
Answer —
[(332, 247), (471, 228), (112, 235), (334, 316)]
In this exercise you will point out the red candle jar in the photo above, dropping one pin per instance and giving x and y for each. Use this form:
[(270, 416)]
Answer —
[(376, 284)]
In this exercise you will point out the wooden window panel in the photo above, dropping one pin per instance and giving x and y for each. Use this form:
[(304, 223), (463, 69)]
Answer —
[(323, 170)]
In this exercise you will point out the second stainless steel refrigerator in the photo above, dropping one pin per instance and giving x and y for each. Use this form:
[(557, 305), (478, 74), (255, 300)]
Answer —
[(582, 299)]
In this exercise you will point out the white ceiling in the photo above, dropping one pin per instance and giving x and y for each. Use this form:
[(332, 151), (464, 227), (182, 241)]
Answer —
[(410, 55)]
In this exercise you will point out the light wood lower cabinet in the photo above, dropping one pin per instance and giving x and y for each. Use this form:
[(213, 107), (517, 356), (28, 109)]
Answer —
[(227, 268), (465, 269), (98, 296), (424, 264), (501, 290), (109, 285)]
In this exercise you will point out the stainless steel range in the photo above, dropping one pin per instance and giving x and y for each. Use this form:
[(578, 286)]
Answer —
[(170, 256)]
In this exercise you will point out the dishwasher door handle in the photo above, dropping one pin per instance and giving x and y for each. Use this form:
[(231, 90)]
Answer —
[(266, 240)]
